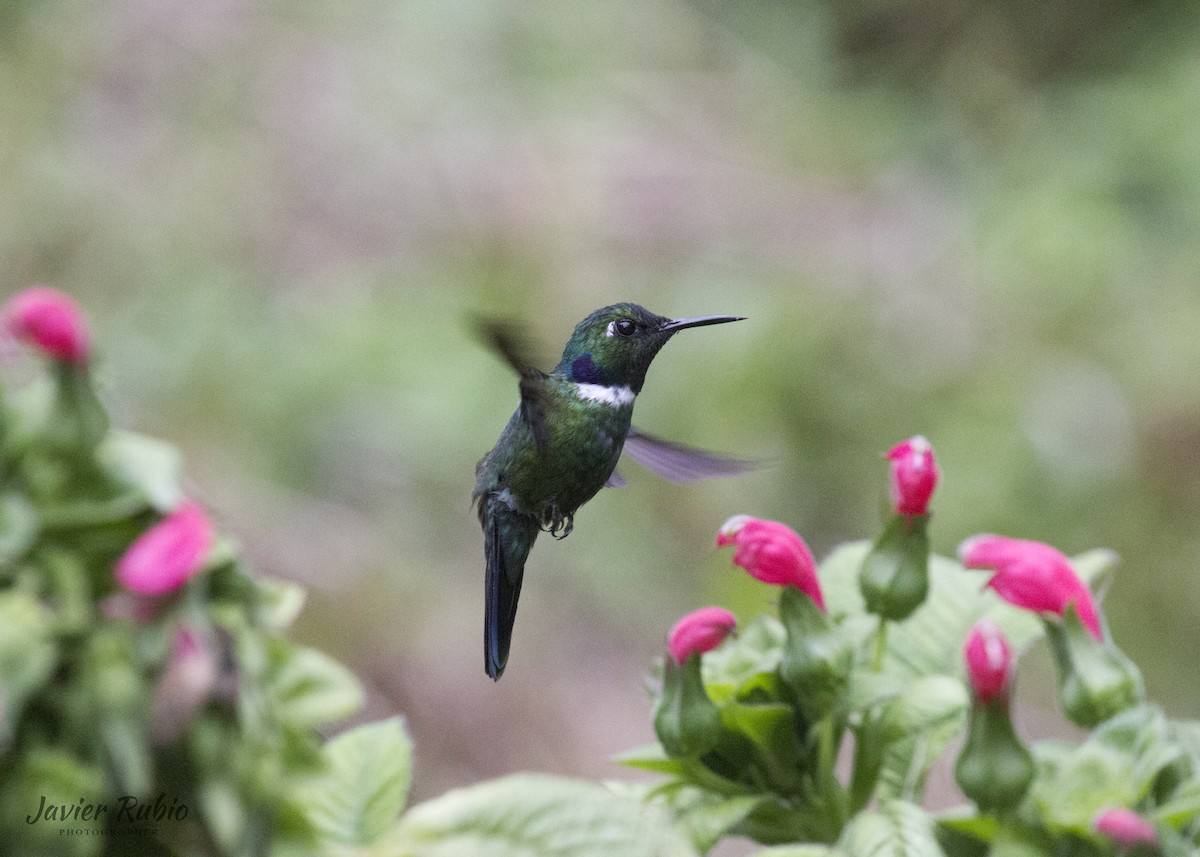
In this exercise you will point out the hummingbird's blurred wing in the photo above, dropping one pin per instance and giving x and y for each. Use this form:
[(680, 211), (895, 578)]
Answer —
[(615, 480), (503, 338), (677, 462)]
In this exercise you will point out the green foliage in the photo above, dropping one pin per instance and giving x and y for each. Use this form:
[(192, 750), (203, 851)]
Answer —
[(108, 728), (901, 696), (535, 816), (369, 770)]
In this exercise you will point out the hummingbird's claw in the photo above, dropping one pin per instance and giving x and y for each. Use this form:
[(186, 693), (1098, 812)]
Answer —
[(556, 523)]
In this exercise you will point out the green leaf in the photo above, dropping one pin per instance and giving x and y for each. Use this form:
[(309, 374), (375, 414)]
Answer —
[(27, 656), (149, 465), (279, 602), (18, 526), (1082, 783), (800, 851), (535, 815), (918, 726), (1186, 734), (369, 772), (964, 820), (867, 689), (925, 703), (64, 781), (771, 729), (703, 815), (310, 687), (1183, 807), (1141, 733), (896, 829), (651, 757)]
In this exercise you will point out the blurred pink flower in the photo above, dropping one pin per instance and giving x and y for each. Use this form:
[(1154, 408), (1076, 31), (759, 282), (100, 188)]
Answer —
[(989, 660), (1032, 575), (773, 553), (699, 631), (49, 320), (914, 475), (1125, 827), (165, 556), (184, 686)]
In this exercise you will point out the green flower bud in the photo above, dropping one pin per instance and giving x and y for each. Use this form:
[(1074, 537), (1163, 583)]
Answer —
[(894, 578), (687, 722), (994, 768), (816, 659), (78, 422), (1095, 679)]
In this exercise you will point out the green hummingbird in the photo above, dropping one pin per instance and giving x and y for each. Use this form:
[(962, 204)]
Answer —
[(561, 445)]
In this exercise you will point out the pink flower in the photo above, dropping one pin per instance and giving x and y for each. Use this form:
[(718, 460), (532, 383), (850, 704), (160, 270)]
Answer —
[(49, 320), (1125, 828), (184, 686), (164, 557), (699, 631), (773, 553), (1032, 575), (914, 475), (989, 660)]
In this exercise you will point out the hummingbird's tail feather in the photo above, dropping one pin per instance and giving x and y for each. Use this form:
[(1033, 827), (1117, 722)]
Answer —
[(507, 538)]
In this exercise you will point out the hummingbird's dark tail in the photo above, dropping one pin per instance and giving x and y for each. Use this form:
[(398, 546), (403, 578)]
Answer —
[(507, 538)]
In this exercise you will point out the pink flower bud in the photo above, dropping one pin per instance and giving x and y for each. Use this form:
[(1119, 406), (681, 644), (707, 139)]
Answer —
[(699, 631), (49, 320), (164, 557), (914, 475), (1125, 828), (989, 660), (773, 553), (1032, 575), (184, 686)]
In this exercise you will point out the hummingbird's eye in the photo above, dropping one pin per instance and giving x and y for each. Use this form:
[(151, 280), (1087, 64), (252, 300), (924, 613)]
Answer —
[(624, 327)]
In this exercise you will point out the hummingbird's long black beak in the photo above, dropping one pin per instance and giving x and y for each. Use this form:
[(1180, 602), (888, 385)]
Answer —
[(700, 321)]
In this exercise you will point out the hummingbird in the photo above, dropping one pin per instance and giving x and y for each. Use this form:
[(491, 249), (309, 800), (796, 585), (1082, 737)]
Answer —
[(561, 445)]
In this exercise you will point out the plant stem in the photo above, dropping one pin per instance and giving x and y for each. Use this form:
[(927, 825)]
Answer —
[(880, 645), (831, 789)]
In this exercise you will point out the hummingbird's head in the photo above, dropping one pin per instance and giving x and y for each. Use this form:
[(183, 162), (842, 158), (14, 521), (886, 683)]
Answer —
[(615, 344)]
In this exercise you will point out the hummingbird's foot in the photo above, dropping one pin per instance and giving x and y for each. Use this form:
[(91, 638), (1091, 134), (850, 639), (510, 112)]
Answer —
[(556, 523)]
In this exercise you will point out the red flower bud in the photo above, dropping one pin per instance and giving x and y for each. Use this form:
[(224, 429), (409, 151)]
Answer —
[(914, 475), (164, 557), (49, 320), (699, 631), (989, 661), (1125, 828), (1032, 575), (773, 553)]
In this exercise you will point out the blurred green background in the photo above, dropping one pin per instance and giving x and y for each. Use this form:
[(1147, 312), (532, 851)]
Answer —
[(976, 221)]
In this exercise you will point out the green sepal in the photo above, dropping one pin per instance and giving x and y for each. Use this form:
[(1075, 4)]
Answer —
[(894, 577), (817, 658), (1096, 680), (686, 721), (994, 768), (78, 421)]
